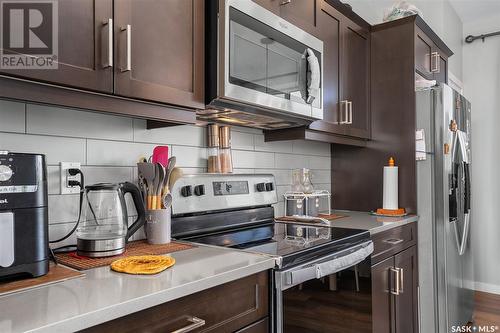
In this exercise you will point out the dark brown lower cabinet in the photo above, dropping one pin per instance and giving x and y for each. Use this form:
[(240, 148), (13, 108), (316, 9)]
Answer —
[(394, 284), (237, 306), (381, 296), (406, 305)]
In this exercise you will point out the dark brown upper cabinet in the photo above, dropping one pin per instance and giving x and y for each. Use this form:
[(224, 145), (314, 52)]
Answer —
[(84, 47), (301, 13), (355, 80), (399, 49), (137, 58), (431, 54), (346, 102), (160, 51)]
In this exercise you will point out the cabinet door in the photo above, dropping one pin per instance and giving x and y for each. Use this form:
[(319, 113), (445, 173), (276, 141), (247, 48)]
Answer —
[(382, 307), (329, 31), (355, 79), (406, 302), (423, 52), (83, 47), (441, 71), (160, 51), (301, 13)]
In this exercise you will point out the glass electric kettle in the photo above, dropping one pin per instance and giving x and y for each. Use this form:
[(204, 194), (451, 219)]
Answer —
[(103, 229)]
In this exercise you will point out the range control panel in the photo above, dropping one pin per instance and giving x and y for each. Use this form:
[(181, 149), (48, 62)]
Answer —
[(210, 192)]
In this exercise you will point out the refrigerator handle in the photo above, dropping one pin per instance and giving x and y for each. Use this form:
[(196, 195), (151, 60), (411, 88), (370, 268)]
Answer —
[(462, 239)]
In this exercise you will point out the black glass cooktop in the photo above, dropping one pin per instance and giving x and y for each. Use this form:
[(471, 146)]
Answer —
[(299, 243), (295, 243)]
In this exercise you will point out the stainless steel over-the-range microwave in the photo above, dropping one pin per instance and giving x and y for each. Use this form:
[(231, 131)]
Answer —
[(262, 71)]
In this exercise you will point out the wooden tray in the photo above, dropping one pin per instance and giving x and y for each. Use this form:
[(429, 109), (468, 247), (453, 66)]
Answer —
[(57, 273), (312, 220), (136, 248)]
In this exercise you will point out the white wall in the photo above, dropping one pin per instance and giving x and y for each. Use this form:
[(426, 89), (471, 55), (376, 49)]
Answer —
[(481, 77), (438, 14), (108, 147)]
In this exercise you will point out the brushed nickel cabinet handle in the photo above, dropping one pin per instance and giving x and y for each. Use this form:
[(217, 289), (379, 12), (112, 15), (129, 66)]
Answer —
[(285, 2), (128, 48), (107, 59), (344, 113), (393, 241), (349, 104), (396, 291), (401, 279), (195, 323), (435, 63)]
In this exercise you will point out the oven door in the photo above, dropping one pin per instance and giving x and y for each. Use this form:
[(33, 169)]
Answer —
[(330, 294), (267, 62)]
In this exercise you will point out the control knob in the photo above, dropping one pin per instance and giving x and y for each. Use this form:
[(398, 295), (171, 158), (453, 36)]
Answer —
[(199, 190), (187, 191), (269, 187), (5, 173), (261, 187)]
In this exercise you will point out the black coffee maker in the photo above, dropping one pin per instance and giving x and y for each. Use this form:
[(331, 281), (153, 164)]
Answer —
[(23, 215)]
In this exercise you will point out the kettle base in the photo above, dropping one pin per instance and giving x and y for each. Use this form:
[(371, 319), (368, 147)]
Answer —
[(100, 248)]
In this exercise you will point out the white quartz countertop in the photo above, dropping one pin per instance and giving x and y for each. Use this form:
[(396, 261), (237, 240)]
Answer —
[(103, 295), (372, 223)]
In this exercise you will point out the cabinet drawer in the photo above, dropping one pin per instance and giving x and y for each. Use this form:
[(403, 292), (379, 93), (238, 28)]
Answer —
[(261, 326), (392, 241), (225, 308)]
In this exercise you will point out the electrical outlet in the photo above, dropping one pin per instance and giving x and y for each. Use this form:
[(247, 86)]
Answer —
[(65, 177)]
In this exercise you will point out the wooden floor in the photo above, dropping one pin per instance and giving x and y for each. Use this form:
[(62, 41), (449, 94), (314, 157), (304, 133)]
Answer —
[(487, 309)]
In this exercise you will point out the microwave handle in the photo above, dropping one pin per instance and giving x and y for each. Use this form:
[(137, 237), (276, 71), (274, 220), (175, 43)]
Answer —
[(314, 79)]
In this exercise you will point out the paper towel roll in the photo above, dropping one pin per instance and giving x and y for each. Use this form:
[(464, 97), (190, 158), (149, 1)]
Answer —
[(390, 200)]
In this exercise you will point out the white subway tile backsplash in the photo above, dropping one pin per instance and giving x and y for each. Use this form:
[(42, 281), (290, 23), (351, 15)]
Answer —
[(192, 157), (311, 148), (49, 120), (99, 174), (58, 231), (56, 149), (12, 115), (63, 208), (319, 162), (108, 147), (275, 146), (247, 171), (242, 141), (53, 179), (186, 135), (252, 160), (320, 176), (281, 177), (290, 161), (116, 153)]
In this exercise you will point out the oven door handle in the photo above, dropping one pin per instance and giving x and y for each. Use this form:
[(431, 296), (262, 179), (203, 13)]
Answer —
[(339, 262)]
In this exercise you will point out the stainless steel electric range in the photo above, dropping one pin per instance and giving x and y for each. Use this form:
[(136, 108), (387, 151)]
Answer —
[(319, 268)]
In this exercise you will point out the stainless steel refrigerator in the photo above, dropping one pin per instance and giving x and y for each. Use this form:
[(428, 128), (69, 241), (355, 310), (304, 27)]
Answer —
[(444, 187)]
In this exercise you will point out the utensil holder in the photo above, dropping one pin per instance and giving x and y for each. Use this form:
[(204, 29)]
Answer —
[(158, 226)]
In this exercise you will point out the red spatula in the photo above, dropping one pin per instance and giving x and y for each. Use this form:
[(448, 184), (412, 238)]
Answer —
[(160, 155)]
